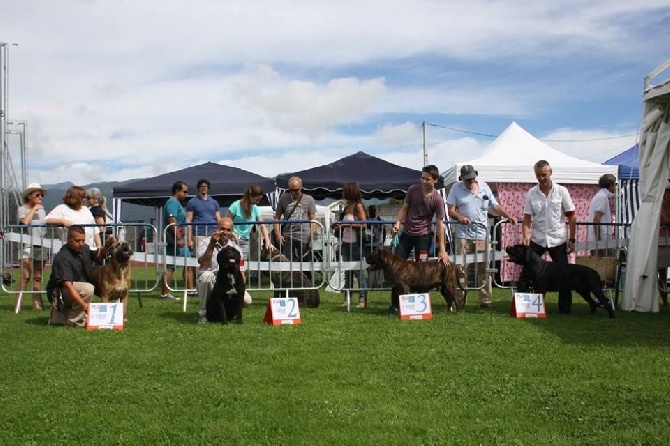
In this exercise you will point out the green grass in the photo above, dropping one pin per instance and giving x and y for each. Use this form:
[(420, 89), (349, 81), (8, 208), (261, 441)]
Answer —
[(479, 377)]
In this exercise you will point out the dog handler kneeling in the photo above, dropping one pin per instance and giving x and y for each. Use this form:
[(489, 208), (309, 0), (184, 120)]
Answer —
[(69, 287), (206, 251)]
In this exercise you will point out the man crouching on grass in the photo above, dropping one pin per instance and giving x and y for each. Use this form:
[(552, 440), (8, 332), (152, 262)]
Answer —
[(69, 288)]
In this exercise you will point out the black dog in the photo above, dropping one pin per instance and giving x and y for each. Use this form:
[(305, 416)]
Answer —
[(549, 276), (225, 301)]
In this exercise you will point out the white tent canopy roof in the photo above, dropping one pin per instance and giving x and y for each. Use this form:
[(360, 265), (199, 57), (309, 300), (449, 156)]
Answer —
[(510, 159)]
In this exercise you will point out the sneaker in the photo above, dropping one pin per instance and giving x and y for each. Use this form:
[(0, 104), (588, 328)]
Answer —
[(168, 296), (202, 319), (486, 305), (191, 293), (393, 310)]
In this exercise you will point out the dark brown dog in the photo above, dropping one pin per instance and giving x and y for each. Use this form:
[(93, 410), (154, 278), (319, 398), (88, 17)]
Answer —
[(288, 279), (112, 280), (419, 277)]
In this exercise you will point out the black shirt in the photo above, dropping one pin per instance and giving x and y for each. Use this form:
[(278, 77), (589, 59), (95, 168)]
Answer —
[(71, 266)]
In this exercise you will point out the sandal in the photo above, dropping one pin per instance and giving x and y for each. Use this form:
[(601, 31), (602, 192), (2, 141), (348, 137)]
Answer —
[(37, 306)]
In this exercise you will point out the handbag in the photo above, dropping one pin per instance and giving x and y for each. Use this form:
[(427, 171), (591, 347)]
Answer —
[(275, 241)]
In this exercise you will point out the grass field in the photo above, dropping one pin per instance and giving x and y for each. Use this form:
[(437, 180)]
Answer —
[(479, 377)]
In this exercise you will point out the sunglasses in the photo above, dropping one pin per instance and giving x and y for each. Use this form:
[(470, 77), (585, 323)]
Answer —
[(185, 191), (39, 195)]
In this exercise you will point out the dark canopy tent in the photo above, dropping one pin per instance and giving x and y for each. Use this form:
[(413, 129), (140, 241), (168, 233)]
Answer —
[(227, 185), (376, 177)]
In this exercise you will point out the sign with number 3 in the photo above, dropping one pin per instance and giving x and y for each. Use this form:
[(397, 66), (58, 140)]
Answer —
[(415, 306)]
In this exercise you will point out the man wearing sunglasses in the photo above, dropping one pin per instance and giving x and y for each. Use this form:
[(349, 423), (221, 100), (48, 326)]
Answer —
[(295, 238)]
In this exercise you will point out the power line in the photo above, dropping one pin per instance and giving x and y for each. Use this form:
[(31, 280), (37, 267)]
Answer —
[(545, 140)]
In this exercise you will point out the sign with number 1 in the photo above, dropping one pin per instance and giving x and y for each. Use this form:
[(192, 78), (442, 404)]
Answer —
[(282, 311), (105, 315), (526, 305), (415, 306)]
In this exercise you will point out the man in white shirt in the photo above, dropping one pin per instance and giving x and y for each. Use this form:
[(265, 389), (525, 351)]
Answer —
[(206, 251), (547, 206)]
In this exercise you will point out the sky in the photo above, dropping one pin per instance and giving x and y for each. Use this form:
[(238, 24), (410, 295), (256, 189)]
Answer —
[(127, 89)]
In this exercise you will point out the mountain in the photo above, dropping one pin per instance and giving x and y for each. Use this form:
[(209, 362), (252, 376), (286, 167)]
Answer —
[(129, 212)]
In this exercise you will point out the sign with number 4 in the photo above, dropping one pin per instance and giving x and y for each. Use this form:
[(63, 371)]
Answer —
[(528, 305), (282, 311), (104, 315), (415, 306)]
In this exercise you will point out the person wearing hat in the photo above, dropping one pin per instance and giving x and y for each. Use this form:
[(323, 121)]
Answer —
[(469, 202), (34, 254)]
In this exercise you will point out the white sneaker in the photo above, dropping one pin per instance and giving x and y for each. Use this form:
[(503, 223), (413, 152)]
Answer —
[(168, 296)]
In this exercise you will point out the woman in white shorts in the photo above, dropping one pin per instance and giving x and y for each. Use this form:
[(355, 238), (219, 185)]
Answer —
[(34, 252)]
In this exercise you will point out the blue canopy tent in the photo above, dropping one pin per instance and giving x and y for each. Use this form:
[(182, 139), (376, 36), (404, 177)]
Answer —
[(629, 177)]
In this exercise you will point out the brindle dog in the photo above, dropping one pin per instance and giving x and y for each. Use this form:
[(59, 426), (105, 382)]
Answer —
[(549, 276), (419, 277), (112, 280), (287, 279)]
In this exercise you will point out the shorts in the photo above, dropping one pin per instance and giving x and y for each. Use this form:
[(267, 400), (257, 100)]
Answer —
[(172, 250), (36, 252)]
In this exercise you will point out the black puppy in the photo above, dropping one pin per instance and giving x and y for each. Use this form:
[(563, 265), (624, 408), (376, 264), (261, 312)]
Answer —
[(549, 276), (227, 296)]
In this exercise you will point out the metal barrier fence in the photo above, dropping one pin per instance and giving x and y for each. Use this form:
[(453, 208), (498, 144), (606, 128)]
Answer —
[(26, 253), (351, 250), (298, 266)]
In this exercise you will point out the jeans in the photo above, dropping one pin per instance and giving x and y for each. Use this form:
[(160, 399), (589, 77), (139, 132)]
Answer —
[(351, 252), (420, 243)]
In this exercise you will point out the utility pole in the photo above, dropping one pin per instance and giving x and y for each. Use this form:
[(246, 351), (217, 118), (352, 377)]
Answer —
[(8, 184), (425, 152)]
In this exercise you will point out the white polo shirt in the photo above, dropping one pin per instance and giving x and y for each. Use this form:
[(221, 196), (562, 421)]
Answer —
[(547, 213)]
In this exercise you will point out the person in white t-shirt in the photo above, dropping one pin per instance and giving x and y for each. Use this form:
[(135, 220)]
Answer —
[(600, 215), (73, 212)]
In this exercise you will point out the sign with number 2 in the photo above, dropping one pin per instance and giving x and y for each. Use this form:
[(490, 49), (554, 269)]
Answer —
[(282, 311)]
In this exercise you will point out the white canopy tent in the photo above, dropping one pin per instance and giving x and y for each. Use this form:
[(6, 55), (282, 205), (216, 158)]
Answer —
[(510, 159), (640, 292)]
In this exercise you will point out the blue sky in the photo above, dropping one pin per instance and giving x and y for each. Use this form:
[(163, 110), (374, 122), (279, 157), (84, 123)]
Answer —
[(125, 89)]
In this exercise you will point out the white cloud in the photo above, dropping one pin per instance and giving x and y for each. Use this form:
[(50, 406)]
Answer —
[(126, 89)]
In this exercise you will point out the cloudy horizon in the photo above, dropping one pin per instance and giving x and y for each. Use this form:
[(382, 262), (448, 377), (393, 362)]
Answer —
[(113, 91)]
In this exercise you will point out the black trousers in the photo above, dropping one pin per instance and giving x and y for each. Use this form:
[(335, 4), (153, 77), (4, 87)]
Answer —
[(559, 255)]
